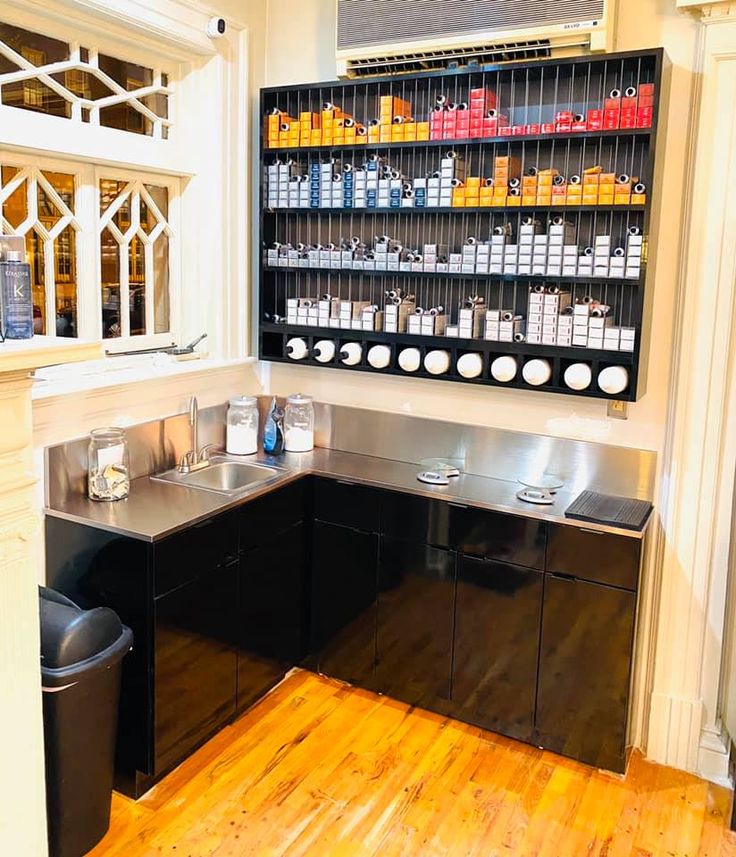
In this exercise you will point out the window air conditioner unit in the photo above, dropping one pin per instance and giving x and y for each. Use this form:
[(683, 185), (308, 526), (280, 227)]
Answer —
[(378, 37)]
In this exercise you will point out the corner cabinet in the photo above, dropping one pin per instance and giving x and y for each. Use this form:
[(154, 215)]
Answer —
[(516, 625)]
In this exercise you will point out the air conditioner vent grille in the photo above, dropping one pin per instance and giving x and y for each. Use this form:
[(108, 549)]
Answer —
[(369, 23), (406, 63)]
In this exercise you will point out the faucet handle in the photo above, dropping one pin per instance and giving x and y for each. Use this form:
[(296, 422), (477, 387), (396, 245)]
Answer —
[(208, 449)]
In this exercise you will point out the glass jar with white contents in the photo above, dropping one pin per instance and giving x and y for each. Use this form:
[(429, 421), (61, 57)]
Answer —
[(242, 426), (108, 466), (299, 424)]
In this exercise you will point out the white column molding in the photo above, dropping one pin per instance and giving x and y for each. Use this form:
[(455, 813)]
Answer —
[(700, 454)]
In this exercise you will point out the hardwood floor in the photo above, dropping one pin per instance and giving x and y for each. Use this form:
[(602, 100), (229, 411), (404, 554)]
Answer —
[(323, 769)]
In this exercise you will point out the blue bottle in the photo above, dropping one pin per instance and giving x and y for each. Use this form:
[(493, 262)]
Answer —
[(273, 431), (16, 300)]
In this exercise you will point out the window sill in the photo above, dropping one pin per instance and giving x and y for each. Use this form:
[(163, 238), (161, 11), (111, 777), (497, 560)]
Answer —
[(67, 380)]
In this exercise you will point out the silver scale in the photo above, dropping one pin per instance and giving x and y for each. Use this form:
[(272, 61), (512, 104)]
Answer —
[(539, 490)]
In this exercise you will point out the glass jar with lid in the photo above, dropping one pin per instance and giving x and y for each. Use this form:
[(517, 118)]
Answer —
[(242, 426), (299, 424), (108, 465)]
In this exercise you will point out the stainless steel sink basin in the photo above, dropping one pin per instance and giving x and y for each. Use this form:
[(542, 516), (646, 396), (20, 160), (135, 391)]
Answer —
[(222, 477)]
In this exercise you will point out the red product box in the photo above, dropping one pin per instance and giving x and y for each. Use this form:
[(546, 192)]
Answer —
[(646, 89), (645, 101), (435, 135), (610, 124), (489, 128), (504, 131), (563, 127), (644, 122), (594, 125), (611, 103), (533, 128), (627, 103), (595, 114), (628, 114), (579, 126), (448, 134), (548, 128), (563, 116), (518, 130), (627, 123)]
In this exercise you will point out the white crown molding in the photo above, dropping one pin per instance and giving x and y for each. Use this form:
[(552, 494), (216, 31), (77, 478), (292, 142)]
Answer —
[(710, 11)]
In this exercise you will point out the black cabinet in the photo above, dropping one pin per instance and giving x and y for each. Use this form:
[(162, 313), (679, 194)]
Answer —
[(343, 603), (194, 663), (594, 555), (404, 516), (584, 670), (509, 538), (270, 623), (497, 620), (416, 595), (347, 504), (276, 512)]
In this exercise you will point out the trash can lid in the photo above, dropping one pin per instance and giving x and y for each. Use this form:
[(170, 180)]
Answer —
[(70, 634)]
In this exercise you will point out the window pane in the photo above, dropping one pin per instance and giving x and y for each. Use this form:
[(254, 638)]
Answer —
[(38, 50), (38, 282), (161, 310), (66, 283), (15, 208), (137, 287), (130, 77), (110, 284)]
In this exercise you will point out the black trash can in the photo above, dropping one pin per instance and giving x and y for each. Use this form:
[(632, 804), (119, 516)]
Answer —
[(81, 657)]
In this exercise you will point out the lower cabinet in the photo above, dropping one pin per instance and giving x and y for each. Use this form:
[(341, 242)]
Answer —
[(194, 663), (497, 620), (343, 603), (584, 670), (270, 623), (416, 595)]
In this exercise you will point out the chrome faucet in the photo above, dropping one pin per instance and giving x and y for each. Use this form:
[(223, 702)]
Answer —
[(195, 458)]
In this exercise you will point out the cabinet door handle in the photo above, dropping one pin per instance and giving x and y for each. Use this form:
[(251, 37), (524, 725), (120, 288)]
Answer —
[(560, 575), (345, 482), (592, 532), (457, 505)]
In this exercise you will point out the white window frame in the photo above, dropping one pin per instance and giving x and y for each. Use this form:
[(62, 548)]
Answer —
[(89, 256)]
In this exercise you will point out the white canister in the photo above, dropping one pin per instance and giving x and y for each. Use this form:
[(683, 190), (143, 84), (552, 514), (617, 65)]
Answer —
[(379, 356), (242, 426), (536, 372), (410, 359), (578, 376), (299, 424), (296, 348), (613, 379), (470, 365), (351, 353), (504, 368), (324, 351), (437, 362)]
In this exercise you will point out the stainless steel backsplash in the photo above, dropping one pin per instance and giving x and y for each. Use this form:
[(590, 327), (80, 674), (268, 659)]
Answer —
[(497, 453)]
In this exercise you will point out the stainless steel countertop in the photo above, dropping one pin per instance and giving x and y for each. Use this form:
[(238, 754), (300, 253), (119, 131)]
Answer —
[(155, 509)]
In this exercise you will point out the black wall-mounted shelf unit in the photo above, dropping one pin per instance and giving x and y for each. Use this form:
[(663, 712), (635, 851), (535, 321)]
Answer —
[(526, 93)]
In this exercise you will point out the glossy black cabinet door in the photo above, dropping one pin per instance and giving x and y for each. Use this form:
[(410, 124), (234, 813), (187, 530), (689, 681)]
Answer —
[(508, 538), (584, 670), (593, 555), (497, 619), (404, 516), (270, 620), (265, 517), (339, 502), (343, 615), (195, 663), (416, 601)]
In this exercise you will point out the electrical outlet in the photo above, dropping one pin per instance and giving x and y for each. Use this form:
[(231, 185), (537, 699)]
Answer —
[(618, 410)]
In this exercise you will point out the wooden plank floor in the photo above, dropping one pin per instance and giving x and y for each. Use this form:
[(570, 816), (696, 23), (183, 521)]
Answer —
[(323, 769)]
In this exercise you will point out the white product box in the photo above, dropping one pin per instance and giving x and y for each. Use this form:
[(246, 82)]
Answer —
[(534, 338), (548, 339), (580, 339), (452, 331), (628, 333), (626, 345)]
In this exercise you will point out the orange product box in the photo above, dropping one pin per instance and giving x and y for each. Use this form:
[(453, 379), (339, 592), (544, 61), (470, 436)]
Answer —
[(339, 123), (422, 136), (328, 124), (590, 199), (326, 139), (605, 199), (472, 181), (528, 199), (622, 199), (622, 187), (315, 137), (410, 131), (350, 135), (590, 181), (544, 199), (422, 127), (486, 192), (638, 198), (486, 201), (458, 202), (551, 171), (592, 171), (374, 135), (499, 201), (607, 178), (529, 182), (500, 190), (559, 193), (513, 200), (501, 160), (385, 135), (544, 180)]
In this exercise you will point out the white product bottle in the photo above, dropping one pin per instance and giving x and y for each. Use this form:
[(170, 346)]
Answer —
[(379, 356), (324, 351), (470, 365), (242, 426), (504, 368), (437, 362), (613, 379), (537, 372), (351, 353), (578, 376), (410, 359), (296, 348)]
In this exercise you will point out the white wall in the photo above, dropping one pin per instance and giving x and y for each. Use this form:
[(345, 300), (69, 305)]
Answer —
[(300, 48)]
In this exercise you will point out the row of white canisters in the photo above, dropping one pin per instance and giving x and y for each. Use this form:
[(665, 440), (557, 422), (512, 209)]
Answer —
[(242, 425)]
